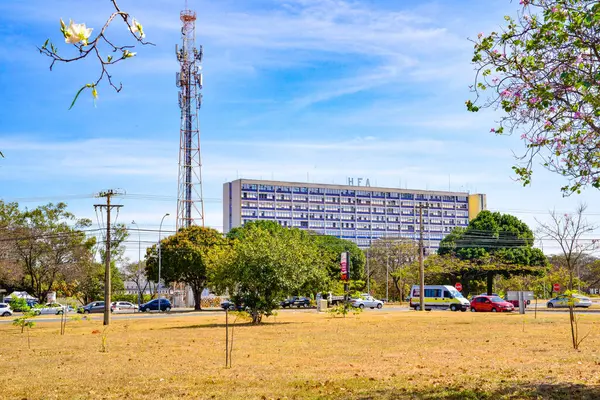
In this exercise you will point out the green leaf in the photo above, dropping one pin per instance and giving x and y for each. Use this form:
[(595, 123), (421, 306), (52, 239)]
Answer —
[(77, 95)]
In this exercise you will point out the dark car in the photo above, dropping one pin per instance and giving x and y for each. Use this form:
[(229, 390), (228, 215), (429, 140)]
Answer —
[(295, 301), (231, 306), (93, 307), (152, 305)]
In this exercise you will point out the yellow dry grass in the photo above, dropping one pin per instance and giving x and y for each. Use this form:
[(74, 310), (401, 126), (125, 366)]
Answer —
[(305, 355)]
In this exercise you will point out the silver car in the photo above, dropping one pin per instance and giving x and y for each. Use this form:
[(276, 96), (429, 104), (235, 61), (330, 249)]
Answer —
[(5, 310), (367, 301), (50, 308), (563, 301), (123, 306)]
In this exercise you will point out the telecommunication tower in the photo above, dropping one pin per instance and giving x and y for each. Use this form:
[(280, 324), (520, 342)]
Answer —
[(190, 203)]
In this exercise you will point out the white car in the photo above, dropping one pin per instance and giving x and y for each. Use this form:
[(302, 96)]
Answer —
[(563, 301), (367, 301), (50, 308), (5, 310), (123, 306)]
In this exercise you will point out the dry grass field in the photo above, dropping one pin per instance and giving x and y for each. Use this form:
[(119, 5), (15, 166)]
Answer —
[(305, 355)]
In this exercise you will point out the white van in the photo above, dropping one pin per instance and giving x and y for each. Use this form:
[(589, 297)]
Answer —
[(441, 297)]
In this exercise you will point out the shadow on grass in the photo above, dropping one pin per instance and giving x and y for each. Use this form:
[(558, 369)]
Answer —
[(559, 391), (201, 326)]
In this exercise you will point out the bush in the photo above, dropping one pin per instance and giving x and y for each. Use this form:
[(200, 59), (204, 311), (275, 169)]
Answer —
[(19, 304)]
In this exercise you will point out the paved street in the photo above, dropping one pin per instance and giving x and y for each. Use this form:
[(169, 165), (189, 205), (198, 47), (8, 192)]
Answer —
[(184, 313)]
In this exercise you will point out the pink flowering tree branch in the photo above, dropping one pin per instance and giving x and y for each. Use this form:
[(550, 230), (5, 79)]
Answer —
[(80, 37), (543, 70)]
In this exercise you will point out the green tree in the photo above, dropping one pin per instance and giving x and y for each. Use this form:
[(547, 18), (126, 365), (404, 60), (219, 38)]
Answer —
[(45, 242), (188, 257), (398, 258), (541, 69), (264, 265), (493, 243), (330, 249)]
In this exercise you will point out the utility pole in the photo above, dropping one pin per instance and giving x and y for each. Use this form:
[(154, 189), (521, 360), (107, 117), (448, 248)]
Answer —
[(107, 283), (421, 263)]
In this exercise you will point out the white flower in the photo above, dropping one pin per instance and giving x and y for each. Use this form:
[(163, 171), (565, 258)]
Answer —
[(128, 54), (137, 27), (77, 33)]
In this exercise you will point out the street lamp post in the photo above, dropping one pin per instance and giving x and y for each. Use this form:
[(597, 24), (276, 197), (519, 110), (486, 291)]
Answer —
[(159, 257), (139, 262)]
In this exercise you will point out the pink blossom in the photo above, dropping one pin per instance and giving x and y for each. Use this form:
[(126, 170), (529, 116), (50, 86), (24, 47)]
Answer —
[(554, 9), (479, 35), (505, 93), (524, 136), (552, 109), (577, 115), (492, 130), (548, 124), (533, 100)]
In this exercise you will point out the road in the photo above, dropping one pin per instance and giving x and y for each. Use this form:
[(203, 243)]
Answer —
[(190, 313)]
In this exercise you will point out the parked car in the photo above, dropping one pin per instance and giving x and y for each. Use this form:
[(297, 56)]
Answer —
[(5, 310), (366, 301), (490, 303), (231, 306), (295, 301), (123, 306), (93, 307), (50, 308), (563, 301), (152, 305)]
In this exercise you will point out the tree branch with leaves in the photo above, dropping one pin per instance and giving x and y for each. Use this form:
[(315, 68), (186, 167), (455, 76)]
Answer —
[(542, 69), (80, 37)]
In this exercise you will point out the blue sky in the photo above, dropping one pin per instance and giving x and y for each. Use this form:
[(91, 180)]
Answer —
[(324, 89)]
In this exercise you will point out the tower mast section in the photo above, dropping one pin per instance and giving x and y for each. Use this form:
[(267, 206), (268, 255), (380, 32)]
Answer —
[(190, 203)]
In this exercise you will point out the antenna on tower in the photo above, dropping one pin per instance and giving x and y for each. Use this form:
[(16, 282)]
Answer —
[(190, 202)]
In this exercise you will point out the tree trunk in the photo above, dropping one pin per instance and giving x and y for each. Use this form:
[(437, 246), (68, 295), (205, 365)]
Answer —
[(396, 286), (490, 283), (256, 317), (197, 297)]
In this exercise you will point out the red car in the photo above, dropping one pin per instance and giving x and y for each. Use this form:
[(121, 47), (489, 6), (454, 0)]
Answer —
[(490, 303)]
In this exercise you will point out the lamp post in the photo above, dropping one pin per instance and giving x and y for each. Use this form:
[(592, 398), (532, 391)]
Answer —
[(159, 257), (139, 262)]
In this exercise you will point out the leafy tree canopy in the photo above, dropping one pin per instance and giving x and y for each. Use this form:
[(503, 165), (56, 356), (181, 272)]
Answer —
[(501, 237), (493, 243), (266, 264), (542, 70), (45, 243), (331, 248), (188, 256)]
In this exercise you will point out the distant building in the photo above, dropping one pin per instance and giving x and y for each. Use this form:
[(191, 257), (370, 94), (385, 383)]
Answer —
[(357, 213)]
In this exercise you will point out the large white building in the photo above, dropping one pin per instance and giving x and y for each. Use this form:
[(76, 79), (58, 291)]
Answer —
[(357, 213)]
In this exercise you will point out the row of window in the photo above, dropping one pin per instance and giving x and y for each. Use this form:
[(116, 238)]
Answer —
[(349, 217), (351, 209), (363, 206), (343, 192)]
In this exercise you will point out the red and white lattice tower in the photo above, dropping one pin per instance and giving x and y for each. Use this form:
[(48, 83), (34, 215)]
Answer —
[(190, 204)]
